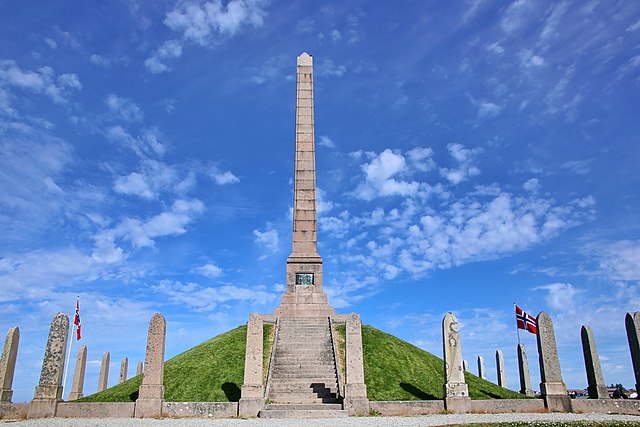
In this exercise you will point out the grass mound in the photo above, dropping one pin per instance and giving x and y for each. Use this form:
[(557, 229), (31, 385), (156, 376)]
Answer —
[(397, 370), (213, 372)]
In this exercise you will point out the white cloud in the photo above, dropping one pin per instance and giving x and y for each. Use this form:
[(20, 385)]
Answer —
[(495, 47), (515, 15), (304, 26), (147, 144), (207, 23), (532, 185), (201, 298), (553, 20), (560, 296), (488, 109), (268, 239), (421, 159), (124, 108), (466, 159), (223, 178), (335, 35), (329, 69), (169, 50), (133, 184), (380, 178), (209, 270), (619, 260), (325, 141), (42, 81)]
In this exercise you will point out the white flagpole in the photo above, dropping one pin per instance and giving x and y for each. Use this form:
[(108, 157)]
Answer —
[(66, 368)]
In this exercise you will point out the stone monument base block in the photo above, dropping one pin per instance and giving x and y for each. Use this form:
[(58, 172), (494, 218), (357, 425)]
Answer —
[(250, 406), (558, 403), (252, 391), (357, 406), (42, 408), (457, 404), (48, 392), (148, 408), (456, 390), (75, 396)]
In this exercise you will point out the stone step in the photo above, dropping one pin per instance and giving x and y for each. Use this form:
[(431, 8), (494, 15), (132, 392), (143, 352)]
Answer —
[(298, 407), (312, 380), (297, 398), (281, 372), (303, 386), (302, 413), (297, 350)]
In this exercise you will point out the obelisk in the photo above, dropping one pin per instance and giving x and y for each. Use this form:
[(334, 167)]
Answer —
[(304, 296)]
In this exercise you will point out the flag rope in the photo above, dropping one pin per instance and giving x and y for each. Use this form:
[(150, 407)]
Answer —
[(66, 368)]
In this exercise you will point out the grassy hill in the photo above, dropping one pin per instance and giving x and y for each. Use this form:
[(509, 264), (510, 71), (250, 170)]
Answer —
[(213, 372)]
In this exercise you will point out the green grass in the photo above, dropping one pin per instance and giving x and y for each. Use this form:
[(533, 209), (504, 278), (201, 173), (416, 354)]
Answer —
[(213, 371), (397, 370)]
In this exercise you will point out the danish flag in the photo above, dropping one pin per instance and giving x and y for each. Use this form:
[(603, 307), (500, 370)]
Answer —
[(525, 321), (76, 319)]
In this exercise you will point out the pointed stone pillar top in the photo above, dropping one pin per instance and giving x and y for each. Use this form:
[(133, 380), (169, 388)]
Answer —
[(305, 60)]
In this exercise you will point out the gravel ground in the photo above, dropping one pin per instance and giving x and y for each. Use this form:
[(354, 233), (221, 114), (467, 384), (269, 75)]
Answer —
[(426, 420)]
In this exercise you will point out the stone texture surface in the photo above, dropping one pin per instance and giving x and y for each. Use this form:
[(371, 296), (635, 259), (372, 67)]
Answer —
[(200, 409), (482, 371), (523, 369), (632, 324), (13, 411), (304, 300), (139, 369), (606, 406), (456, 392), (407, 407), (103, 378), (78, 374), (501, 406), (252, 394), (124, 367), (501, 374), (595, 380), (8, 363), (151, 393), (552, 387), (96, 410), (49, 389), (356, 401)]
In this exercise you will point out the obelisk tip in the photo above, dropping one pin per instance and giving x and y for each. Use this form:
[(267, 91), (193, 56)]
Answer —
[(305, 60)]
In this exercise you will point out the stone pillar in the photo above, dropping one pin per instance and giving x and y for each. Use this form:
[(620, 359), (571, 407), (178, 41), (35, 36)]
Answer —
[(595, 380), (49, 389), (151, 393), (103, 379), (8, 363), (304, 296), (523, 368), (456, 392), (139, 369), (632, 324), (124, 367), (252, 394), (482, 372), (500, 371), (552, 387), (356, 401), (465, 365), (78, 374)]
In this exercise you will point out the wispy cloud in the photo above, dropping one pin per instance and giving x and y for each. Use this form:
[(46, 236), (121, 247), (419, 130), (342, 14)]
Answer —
[(43, 80)]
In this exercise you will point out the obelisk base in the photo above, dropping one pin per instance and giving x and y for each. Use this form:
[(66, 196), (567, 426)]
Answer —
[(304, 302)]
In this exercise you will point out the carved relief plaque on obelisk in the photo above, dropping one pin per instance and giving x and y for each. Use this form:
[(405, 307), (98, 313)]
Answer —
[(304, 296)]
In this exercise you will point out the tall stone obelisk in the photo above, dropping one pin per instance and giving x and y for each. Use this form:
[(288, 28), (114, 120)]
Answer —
[(304, 296)]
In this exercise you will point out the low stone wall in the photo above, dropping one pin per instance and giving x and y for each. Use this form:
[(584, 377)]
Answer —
[(95, 409), (499, 406), (606, 406), (13, 411), (200, 409), (407, 407)]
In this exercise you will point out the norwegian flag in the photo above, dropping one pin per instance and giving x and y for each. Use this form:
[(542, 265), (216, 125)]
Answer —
[(76, 319), (525, 321)]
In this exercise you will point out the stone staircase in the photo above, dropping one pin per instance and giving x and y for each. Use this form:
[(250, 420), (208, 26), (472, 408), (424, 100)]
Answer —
[(304, 382)]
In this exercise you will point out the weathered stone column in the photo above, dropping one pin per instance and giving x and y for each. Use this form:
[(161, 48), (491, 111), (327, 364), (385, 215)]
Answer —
[(456, 392), (49, 389), (356, 401), (151, 394), (500, 371), (78, 374), (632, 324), (103, 379), (595, 380), (8, 363), (552, 387), (252, 394), (139, 369), (523, 368), (465, 365), (124, 367), (482, 372)]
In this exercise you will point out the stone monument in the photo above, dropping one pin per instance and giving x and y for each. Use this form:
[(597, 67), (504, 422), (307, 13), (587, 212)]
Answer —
[(523, 368), (78, 375), (124, 367), (8, 363), (103, 379), (500, 371), (632, 324), (596, 386), (304, 296), (456, 391), (482, 373), (552, 387), (151, 392)]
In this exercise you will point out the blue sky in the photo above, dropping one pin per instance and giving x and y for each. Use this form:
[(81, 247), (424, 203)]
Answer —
[(470, 155)]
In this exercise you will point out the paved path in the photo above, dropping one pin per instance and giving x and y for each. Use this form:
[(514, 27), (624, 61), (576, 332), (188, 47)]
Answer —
[(419, 421)]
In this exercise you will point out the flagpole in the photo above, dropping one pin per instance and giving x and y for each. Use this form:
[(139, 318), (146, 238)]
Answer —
[(66, 368), (517, 329)]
